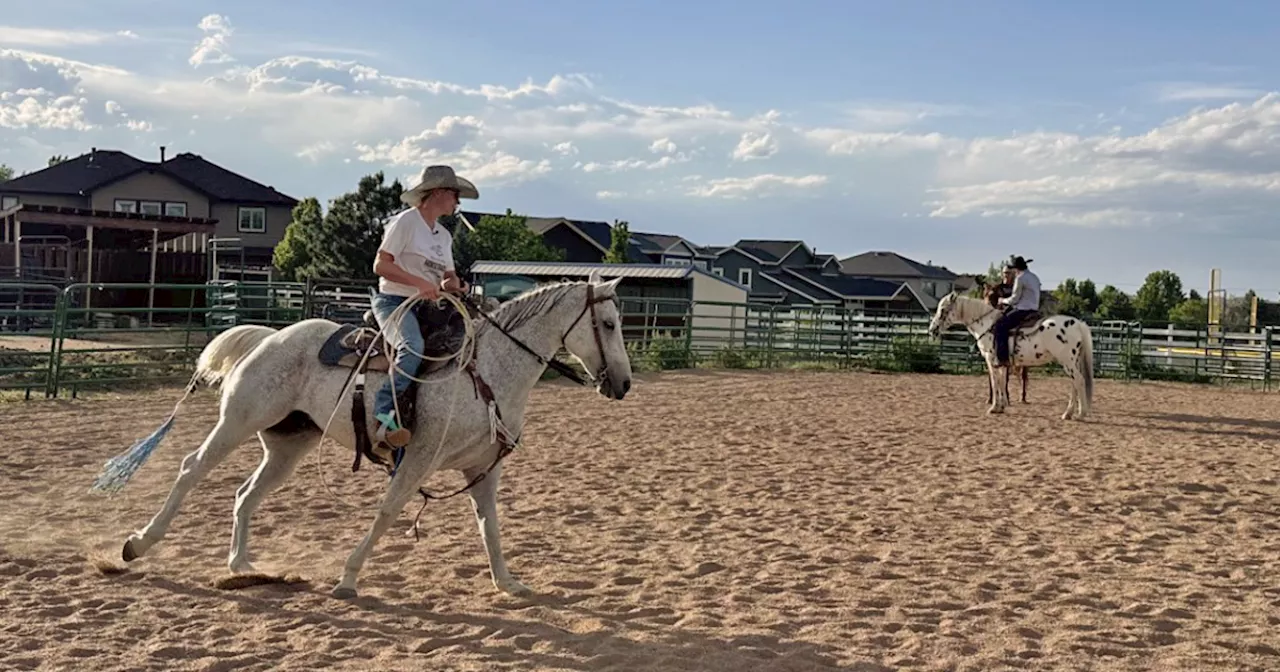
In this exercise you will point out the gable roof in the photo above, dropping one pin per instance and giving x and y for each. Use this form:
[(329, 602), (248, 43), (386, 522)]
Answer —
[(579, 269), (659, 243), (847, 286), (814, 294), (769, 250), (881, 263), (98, 168), (598, 234)]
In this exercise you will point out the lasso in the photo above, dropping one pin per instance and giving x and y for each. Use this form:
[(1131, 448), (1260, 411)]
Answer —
[(465, 354)]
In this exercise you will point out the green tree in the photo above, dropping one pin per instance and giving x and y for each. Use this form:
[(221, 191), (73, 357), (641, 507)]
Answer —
[(6, 173), (1235, 315), (55, 160), (1190, 314), (500, 238), (292, 256), (1089, 293), (1114, 304), (1159, 294), (351, 230), (619, 242), (1069, 300)]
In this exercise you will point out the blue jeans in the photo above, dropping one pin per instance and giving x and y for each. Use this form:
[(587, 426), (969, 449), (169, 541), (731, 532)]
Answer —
[(1001, 332), (408, 334)]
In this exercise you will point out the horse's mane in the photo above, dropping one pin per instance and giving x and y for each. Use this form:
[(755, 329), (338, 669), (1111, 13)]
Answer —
[(532, 303), (967, 304)]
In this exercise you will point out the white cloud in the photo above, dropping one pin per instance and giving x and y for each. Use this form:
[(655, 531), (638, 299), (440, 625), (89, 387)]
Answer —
[(64, 113), (663, 146), (53, 38), (1186, 91), (212, 48), (456, 141), (1211, 165), (757, 186), (755, 146)]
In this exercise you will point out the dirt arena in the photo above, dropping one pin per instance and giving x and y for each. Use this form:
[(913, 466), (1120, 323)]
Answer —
[(712, 521)]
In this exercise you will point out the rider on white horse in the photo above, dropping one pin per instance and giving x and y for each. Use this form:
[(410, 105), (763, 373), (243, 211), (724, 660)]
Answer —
[(1022, 301), (414, 259)]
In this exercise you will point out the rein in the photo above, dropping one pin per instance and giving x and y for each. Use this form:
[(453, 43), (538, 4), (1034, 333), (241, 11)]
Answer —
[(560, 367)]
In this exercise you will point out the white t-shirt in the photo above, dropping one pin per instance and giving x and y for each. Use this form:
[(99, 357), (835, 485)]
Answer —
[(422, 251)]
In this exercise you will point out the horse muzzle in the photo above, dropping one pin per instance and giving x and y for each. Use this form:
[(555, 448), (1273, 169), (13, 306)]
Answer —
[(612, 389)]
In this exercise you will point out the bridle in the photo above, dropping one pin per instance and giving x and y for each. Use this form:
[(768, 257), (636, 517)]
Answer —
[(599, 376), (951, 308)]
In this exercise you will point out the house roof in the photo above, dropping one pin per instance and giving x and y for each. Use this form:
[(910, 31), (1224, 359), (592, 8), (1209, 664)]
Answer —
[(881, 263), (769, 251), (93, 170), (574, 269), (656, 243), (808, 291), (599, 234), (847, 286)]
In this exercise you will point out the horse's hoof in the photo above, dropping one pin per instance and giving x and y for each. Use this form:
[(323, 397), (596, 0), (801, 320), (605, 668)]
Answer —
[(344, 593), (127, 553), (514, 588)]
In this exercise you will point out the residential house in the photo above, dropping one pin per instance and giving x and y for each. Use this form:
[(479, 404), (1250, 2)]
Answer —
[(587, 241), (186, 185), (790, 273), (662, 248), (930, 282)]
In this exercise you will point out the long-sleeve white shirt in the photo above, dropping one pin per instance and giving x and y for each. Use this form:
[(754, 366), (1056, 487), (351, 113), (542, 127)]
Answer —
[(1026, 292)]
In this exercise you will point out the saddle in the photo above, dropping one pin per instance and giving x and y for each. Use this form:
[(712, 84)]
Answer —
[(1028, 323), (443, 332)]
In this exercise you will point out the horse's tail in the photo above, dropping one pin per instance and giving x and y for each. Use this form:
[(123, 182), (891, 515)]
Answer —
[(1085, 357), (220, 357)]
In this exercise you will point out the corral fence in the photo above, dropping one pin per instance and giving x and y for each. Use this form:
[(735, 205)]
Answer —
[(52, 342)]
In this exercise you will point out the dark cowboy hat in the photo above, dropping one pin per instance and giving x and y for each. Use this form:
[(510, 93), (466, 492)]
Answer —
[(1017, 262)]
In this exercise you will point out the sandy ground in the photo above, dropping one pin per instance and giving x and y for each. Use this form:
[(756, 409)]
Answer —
[(803, 521)]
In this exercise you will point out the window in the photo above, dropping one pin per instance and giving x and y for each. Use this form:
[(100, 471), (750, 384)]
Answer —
[(744, 276), (8, 202), (175, 209), (126, 206), (253, 220), (675, 261), (718, 271), (150, 207)]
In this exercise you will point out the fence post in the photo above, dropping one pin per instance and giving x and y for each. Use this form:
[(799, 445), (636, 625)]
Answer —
[(55, 343), (688, 333), (1266, 358)]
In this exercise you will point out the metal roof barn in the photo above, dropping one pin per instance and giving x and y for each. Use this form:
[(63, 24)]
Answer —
[(654, 297)]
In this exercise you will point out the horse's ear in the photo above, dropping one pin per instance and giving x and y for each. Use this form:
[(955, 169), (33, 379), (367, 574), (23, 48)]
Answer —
[(595, 277), (612, 286)]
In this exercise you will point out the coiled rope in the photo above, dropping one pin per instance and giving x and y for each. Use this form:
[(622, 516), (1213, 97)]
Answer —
[(465, 354)]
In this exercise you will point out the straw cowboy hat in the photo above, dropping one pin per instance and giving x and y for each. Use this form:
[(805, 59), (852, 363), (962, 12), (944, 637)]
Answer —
[(439, 177)]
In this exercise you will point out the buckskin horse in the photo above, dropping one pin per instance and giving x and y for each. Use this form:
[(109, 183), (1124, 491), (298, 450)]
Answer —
[(275, 384), (1036, 341)]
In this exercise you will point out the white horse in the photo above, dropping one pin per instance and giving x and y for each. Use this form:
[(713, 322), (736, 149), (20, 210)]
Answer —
[(1061, 338), (274, 385)]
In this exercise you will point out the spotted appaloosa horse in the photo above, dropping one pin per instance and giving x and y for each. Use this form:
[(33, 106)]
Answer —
[(1036, 341)]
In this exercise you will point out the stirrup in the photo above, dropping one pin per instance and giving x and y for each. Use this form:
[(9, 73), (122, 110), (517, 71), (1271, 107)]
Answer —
[(390, 432)]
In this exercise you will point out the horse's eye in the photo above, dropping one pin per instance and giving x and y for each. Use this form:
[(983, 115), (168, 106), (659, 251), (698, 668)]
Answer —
[(609, 325)]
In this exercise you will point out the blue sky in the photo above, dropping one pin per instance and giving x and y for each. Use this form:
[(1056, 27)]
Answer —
[(1102, 140)]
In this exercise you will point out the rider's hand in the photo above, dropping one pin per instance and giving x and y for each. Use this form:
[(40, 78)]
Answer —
[(454, 285), (428, 290)]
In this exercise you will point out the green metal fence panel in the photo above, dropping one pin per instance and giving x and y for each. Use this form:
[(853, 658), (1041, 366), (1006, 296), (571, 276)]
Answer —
[(28, 326), (140, 341)]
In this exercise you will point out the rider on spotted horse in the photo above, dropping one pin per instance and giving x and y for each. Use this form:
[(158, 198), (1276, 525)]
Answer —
[(1019, 294)]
